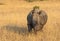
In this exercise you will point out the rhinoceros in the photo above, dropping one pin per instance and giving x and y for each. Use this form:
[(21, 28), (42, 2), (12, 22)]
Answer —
[(36, 20)]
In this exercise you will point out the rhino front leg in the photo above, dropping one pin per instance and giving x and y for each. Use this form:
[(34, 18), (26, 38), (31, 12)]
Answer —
[(29, 28), (35, 31)]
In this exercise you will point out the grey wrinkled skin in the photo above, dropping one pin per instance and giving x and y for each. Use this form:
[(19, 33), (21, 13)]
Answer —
[(29, 21), (36, 20)]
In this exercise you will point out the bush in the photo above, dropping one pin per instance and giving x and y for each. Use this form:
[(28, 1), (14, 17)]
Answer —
[(30, 0), (1, 3), (36, 7), (34, 0)]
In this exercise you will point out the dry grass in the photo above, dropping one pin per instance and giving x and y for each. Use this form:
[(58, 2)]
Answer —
[(13, 24)]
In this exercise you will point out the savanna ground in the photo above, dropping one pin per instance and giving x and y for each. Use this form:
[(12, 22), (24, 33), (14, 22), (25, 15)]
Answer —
[(13, 23)]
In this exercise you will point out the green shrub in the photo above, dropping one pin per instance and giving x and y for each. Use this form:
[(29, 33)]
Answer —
[(36, 7)]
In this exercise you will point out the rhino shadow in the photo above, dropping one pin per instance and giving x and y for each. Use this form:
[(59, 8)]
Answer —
[(16, 29)]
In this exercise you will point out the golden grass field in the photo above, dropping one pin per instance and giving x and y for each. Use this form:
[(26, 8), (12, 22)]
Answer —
[(13, 23)]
